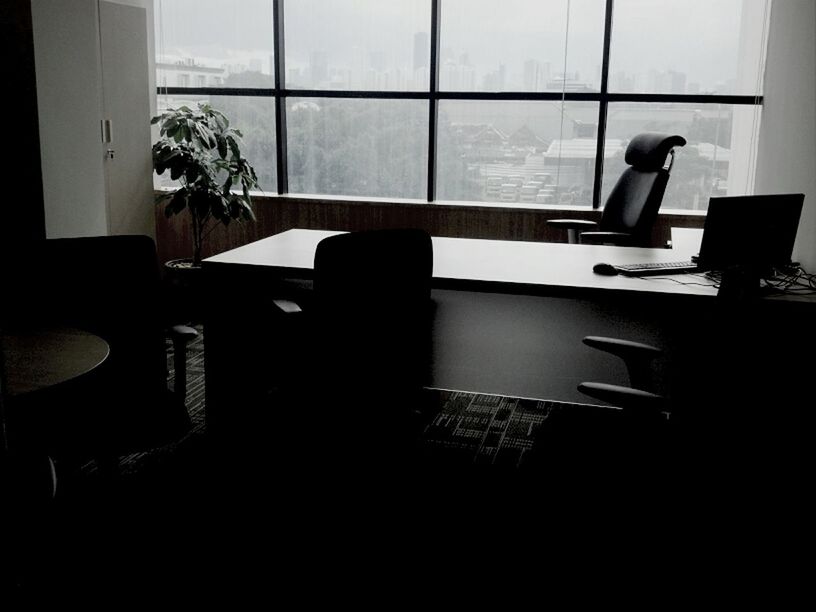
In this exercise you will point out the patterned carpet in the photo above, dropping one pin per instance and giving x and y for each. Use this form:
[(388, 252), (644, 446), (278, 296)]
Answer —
[(484, 429)]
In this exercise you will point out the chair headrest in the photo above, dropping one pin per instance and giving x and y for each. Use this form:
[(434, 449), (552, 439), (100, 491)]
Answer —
[(648, 151)]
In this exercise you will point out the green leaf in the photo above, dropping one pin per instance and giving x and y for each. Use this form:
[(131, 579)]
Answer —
[(234, 147), (222, 146), (220, 119), (207, 136), (179, 201)]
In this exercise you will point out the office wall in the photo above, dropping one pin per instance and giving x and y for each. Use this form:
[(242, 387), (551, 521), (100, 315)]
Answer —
[(22, 216), (69, 94), (786, 157)]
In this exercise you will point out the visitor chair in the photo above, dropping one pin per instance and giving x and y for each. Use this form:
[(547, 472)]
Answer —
[(360, 355), (109, 286), (631, 209)]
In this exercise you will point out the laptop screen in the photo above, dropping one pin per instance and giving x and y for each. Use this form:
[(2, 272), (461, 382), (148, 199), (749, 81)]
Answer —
[(756, 230)]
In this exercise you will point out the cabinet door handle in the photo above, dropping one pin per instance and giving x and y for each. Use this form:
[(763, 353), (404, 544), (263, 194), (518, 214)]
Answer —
[(107, 131)]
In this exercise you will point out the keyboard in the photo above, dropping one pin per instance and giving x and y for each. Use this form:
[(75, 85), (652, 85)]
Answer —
[(656, 268)]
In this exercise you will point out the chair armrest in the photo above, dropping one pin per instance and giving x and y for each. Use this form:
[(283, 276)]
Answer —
[(182, 333), (625, 349), (574, 227), (625, 397), (579, 224), (636, 355), (615, 238), (287, 306)]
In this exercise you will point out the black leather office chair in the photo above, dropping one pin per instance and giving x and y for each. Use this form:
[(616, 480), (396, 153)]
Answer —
[(360, 355), (640, 399), (623, 446), (109, 286), (631, 208)]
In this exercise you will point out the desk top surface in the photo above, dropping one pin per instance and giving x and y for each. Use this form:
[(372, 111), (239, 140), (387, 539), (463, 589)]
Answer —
[(491, 263), (495, 264)]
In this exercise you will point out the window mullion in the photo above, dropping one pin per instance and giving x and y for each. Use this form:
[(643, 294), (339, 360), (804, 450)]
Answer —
[(433, 101), (603, 107), (280, 100)]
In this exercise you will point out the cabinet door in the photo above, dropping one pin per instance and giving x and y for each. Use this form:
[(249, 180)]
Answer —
[(126, 106)]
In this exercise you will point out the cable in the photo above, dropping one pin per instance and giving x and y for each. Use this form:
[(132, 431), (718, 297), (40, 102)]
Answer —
[(563, 101), (793, 280), (684, 283)]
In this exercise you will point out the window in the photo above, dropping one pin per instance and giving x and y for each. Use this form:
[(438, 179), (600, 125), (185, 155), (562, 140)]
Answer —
[(516, 103)]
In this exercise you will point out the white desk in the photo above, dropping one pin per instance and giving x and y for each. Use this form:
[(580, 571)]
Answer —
[(491, 265), (510, 317)]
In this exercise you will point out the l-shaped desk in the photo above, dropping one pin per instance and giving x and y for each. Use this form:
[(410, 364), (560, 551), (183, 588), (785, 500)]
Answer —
[(510, 317)]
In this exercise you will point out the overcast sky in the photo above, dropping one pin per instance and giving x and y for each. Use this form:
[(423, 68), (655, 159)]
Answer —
[(698, 37)]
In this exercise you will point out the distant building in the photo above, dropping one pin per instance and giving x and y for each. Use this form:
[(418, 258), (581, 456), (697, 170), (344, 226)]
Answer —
[(525, 138), (536, 75), (568, 82), (421, 50), (496, 80), (318, 67), (186, 73)]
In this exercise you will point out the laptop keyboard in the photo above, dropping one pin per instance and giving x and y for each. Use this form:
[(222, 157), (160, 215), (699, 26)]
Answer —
[(655, 268)]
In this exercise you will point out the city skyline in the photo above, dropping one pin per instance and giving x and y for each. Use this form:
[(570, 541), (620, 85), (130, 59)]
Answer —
[(352, 33)]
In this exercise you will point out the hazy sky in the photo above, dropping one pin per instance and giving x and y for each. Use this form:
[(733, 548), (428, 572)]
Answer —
[(698, 37)]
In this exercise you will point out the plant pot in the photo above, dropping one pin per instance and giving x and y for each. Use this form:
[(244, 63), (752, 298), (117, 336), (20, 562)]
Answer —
[(183, 284)]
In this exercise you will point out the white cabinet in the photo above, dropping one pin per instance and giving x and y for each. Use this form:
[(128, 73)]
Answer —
[(93, 62)]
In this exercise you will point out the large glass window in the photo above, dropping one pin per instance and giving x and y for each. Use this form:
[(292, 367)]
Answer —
[(253, 116), (714, 161), (358, 44), (519, 45), (532, 152), (688, 47), (363, 148), (514, 102), (214, 43)]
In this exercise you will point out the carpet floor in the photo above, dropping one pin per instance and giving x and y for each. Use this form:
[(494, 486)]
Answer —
[(187, 518)]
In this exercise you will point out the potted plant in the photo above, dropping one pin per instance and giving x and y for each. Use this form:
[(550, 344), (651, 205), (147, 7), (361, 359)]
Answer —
[(203, 153)]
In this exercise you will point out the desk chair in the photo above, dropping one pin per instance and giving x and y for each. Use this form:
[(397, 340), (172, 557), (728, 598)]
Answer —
[(640, 399), (625, 448), (631, 208), (109, 286), (361, 353)]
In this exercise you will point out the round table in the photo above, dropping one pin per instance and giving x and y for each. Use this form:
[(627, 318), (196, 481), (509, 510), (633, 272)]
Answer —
[(43, 358), (32, 361)]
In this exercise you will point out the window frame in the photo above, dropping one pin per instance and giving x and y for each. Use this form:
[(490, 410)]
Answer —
[(434, 95)]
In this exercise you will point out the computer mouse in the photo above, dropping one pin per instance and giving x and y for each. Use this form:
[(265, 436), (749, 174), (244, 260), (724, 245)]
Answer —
[(605, 269)]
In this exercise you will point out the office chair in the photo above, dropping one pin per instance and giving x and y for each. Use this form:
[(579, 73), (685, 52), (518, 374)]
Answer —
[(109, 286), (624, 446), (631, 208), (361, 350), (640, 399)]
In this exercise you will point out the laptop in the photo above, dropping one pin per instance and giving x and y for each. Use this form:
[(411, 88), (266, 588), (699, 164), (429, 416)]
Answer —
[(758, 231)]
